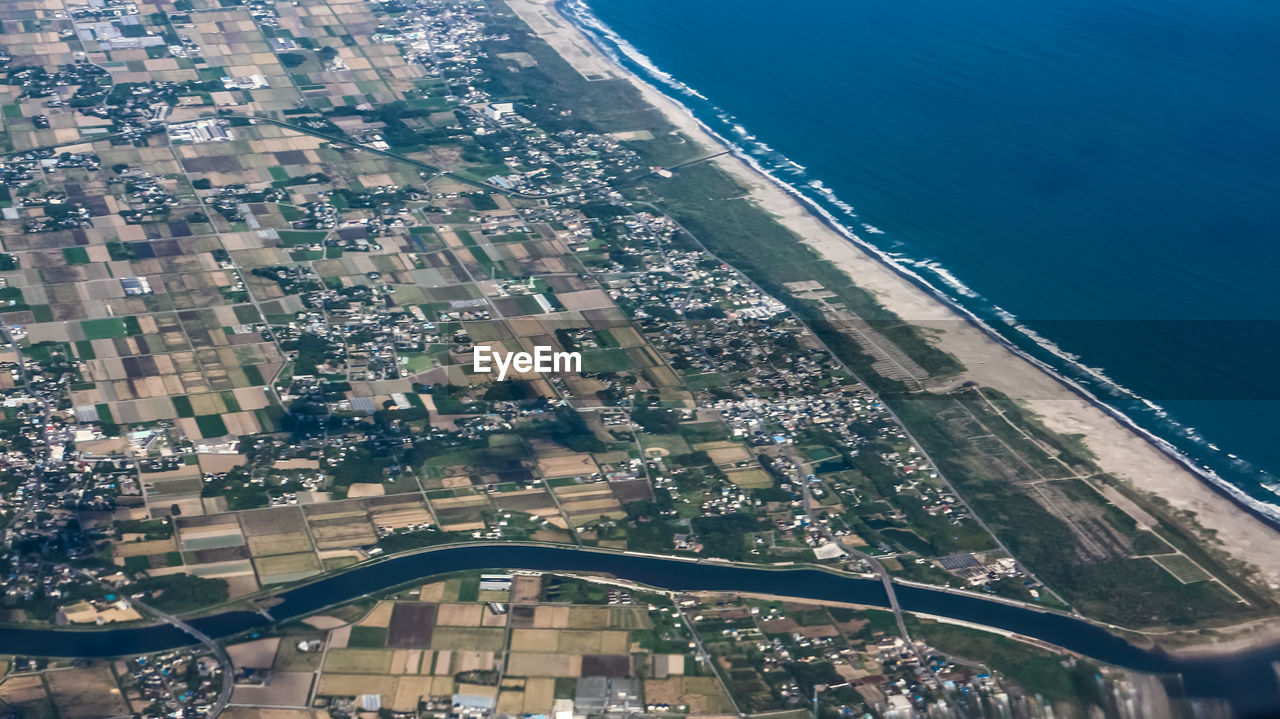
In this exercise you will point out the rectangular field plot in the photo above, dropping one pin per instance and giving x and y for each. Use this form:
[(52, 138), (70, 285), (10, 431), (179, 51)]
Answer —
[(750, 478), (703, 695), (347, 685), (468, 638), (449, 663), (271, 544), (632, 490), (542, 664), (1182, 568), (86, 693), (586, 502), (334, 510), (461, 615), (459, 514), (566, 641), (567, 466), (286, 567), (412, 661), (355, 531), (606, 665), (358, 661), (398, 512), (277, 520), (412, 626), (203, 533), (530, 501)]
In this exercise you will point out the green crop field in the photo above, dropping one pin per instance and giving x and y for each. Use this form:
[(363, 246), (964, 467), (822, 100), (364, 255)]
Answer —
[(103, 329), (211, 425)]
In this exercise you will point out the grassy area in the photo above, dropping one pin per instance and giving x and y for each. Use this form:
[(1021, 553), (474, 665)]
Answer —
[(75, 255), (211, 425), (1127, 591), (712, 206), (606, 360), (1037, 671), (291, 213), (105, 328), (696, 432), (292, 238), (367, 638), (606, 105), (469, 589), (180, 593), (482, 639)]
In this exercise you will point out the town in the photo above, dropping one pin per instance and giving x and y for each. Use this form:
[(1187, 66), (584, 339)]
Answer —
[(288, 288)]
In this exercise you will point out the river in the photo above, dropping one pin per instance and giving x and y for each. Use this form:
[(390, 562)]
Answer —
[(1246, 679)]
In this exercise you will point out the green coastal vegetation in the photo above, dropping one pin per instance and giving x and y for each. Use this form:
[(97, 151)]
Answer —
[(1071, 681), (1121, 583)]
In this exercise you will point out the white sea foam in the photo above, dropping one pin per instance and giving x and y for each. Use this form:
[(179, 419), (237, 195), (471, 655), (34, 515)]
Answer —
[(1089, 382), (944, 274)]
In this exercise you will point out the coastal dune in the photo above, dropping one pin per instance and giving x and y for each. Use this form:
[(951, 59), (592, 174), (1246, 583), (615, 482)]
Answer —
[(1119, 450)]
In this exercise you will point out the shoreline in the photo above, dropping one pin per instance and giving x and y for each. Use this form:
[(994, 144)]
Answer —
[(1122, 448), (1090, 382)]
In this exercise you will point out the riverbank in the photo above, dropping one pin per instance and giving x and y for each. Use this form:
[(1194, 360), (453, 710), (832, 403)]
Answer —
[(1244, 678), (1120, 450)]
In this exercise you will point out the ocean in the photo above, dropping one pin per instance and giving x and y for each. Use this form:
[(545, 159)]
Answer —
[(1097, 180)]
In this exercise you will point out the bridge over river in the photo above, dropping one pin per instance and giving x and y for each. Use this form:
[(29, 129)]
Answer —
[(1246, 679)]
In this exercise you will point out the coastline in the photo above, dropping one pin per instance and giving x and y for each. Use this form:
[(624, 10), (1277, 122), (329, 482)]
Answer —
[(1121, 448)]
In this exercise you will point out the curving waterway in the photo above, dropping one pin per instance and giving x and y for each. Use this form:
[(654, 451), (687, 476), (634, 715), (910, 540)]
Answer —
[(1245, 679)]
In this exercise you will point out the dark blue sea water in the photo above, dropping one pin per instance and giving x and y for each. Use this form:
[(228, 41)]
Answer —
[(1107, 172)]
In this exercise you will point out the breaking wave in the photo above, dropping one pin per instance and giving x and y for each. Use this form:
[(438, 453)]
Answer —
[(1148, 419)]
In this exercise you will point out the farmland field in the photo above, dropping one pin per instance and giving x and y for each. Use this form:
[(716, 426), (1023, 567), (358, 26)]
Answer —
[(470, 638), (357, 661), (412, 625)]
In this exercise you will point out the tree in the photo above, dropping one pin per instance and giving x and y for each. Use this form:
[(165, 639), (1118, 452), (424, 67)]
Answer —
[(656, 420)]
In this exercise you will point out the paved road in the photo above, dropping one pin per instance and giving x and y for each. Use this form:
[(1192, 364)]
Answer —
[(871, 561), (706, 657), (942, 477), (32, 498), (396, 156), (887, 581), (228, 671), (224, 661)]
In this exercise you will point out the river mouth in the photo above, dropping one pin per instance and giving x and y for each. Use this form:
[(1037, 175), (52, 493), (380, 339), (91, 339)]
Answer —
[(1244, 679)]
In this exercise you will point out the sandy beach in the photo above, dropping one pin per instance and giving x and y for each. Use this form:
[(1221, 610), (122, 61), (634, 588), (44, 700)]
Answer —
[(1119, 450)]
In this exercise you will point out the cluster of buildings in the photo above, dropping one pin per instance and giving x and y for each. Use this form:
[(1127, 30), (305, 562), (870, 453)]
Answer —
[(777, 387), (104, 9), (806, 657), (116, 32), (37, 82), (148, 200), (180, 683), (568, 162), (198, 131), (440, 36)]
